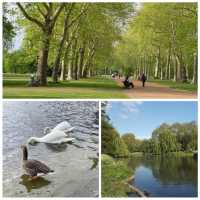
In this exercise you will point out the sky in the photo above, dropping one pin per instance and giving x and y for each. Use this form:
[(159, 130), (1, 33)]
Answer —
[(141, 118)]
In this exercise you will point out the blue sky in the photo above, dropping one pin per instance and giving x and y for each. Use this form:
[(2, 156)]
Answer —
[(141, 118)]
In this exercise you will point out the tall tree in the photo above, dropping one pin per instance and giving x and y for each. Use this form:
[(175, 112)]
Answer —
[(49, 13)]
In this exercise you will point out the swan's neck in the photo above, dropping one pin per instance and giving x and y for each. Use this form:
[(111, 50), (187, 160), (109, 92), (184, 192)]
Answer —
[(25, 153), (35, 140)]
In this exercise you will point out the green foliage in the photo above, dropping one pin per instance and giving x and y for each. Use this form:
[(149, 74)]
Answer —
[(113, 175), (112, 144), (87, 32), (132, 143), (183, 135), (151, 146), (160, 41), (120, 148), (19, 62), (8, 27), (167, 142), (109, 134)]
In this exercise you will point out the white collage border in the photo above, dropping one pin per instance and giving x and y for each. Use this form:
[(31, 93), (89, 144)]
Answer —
[(96, 100)]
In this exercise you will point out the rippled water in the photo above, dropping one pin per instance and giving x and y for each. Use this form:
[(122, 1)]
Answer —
[(75, 165), (168, 176)]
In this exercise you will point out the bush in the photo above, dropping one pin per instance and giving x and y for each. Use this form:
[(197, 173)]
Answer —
[(113, 175)]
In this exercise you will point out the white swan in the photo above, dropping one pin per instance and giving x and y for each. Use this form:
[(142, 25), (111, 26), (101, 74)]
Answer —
[(57, 135), (63, 126), (54, 137)]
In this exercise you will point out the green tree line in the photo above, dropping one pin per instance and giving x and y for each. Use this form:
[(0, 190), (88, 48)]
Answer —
[(160, 41), (165, 139), (65, 40)]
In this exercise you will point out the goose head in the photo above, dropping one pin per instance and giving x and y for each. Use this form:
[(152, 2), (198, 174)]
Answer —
[(33, 140)]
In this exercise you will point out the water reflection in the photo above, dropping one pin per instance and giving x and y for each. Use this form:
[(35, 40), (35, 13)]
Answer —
[(33, 184), (56, 147), (165, 175)]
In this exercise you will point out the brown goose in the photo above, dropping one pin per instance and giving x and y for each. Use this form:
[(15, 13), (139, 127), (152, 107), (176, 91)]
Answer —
[(33, 167)]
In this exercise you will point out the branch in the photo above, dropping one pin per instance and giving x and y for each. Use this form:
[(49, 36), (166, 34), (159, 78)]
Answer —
[(46, 6), (28, 16), (83, 10), (57, 12), (40, 11), (70, 10)]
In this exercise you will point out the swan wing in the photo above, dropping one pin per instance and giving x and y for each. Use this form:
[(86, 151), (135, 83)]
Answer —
[(63, 126), (54, 135)]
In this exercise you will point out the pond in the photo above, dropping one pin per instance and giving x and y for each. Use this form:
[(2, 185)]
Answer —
[(167, 176), (75, 165)]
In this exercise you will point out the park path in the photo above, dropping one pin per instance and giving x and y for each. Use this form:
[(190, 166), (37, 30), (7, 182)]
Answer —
[(155, 91)]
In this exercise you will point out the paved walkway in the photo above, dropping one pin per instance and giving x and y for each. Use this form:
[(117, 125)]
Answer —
[(155, 91)]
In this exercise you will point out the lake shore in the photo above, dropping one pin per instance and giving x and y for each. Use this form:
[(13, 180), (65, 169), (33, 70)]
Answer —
[(125, 179)]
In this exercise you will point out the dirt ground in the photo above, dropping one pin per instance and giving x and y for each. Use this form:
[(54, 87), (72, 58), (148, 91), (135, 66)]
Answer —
[(155, 91)]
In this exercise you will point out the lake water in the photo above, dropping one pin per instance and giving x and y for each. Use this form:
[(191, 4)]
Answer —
[(165, 176), (75, 165)]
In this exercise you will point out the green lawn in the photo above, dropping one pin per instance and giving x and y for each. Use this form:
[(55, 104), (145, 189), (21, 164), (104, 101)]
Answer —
[(16, 87), (177, 85)]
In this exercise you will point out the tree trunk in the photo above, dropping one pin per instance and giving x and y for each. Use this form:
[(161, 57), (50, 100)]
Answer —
[(167, 75), (157, 66), (169, 71), (195, 70), (175, 69), (43, 60), (76, 71), (161, 71), (46, 25), (69, 73), (82, 52), (63, 70), (59, 52), (70, 63), (178, 71)]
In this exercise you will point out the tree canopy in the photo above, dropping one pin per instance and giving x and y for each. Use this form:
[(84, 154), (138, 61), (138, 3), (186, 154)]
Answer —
[(161, 41), (75, 40)]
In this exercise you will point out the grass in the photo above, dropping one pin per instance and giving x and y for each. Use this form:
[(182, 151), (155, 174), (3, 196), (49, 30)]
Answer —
[(177, 85), (113, 175), (16, 87), (182, 153)]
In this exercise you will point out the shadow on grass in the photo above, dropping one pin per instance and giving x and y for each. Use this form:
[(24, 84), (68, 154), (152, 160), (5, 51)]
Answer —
[(83, 83)]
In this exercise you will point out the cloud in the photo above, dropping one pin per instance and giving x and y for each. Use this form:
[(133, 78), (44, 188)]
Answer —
[(124, 108), (124, 116), (131, 107)]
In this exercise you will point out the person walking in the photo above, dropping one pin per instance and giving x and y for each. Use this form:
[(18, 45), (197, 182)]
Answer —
[(143, 79)]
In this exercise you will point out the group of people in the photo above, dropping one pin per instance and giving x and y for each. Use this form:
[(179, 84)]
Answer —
[(128, 83)]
